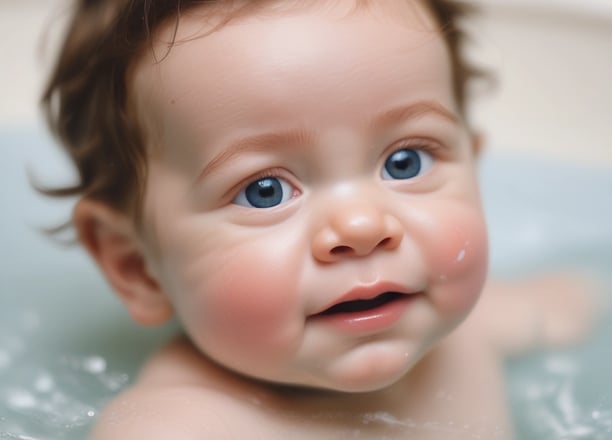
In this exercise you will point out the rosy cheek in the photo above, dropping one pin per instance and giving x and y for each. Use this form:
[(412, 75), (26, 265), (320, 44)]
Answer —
[(249, 307), (456, 250)]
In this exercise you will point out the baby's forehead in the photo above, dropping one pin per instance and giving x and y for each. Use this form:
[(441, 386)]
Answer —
[(205, 20), (274, 43), (202, 19)]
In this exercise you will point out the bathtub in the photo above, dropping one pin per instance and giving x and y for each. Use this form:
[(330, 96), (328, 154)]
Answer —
[(67, 345)]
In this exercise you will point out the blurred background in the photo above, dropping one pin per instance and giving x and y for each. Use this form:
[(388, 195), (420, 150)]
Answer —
[(552, 59)]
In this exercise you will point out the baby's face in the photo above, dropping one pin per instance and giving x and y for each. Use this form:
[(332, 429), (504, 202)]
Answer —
[(312, 209)]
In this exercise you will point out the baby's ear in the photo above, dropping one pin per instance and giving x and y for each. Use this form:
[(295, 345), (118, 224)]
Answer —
[(112, 240)]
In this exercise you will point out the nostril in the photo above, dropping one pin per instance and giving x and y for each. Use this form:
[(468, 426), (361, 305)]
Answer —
[(384, 242), (346, 250), (341, 250)]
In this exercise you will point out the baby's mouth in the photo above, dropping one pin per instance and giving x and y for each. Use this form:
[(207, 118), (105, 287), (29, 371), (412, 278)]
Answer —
[(361, 305)]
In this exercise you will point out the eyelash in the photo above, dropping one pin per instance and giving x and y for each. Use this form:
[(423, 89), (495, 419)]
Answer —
[(272, 172), (424, 144)]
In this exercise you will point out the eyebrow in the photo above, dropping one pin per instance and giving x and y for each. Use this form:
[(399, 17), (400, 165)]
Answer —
[(260, 142), (266, 141), (412, 111)]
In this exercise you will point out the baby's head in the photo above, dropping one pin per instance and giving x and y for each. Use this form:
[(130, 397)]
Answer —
[(89, 101), (294, 180)]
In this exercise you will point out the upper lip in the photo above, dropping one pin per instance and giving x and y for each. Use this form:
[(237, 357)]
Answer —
[(367, 292)]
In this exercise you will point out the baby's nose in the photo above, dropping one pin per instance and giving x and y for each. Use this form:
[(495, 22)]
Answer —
[(356, 231)]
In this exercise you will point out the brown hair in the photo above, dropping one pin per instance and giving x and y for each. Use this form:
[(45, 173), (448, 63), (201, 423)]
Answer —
[(86, 99)]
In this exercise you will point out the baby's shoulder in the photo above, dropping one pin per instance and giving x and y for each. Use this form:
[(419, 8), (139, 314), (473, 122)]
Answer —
[(160, 413), (174, 398)]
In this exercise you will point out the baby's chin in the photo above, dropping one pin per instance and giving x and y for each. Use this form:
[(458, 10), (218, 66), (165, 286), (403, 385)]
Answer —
[(346, 386), (366, 385), (364, 371), (337, 386), (366, 381)]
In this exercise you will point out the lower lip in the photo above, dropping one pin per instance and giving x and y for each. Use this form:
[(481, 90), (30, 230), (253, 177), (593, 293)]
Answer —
[(368, 321)]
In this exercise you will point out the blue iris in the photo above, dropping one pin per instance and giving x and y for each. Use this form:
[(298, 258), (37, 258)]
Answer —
[(264, 193), (403, 164)]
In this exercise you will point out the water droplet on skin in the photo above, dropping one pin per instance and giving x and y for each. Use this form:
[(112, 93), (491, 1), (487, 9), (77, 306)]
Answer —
[(460, 256), (382, 416)]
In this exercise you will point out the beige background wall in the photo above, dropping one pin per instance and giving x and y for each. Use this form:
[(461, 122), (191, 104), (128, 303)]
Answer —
[(553, 59)]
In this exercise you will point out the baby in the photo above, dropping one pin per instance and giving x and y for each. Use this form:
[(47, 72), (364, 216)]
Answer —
[(296, 182)]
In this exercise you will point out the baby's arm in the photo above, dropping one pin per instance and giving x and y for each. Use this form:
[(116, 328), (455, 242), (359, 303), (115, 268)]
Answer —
[(553, 310)]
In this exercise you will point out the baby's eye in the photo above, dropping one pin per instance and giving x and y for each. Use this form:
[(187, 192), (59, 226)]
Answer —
[(264, 193), (406, 163)]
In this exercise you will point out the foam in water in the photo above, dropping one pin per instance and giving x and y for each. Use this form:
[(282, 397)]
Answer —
[(47, 396)]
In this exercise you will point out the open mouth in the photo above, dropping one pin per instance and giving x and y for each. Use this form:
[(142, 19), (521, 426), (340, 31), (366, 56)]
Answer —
[(362, 305)]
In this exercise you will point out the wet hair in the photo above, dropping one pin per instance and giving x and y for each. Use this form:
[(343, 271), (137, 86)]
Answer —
[(87, 98)]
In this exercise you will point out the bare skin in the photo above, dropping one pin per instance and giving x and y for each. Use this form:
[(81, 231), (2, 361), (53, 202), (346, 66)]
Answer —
[(455, 392)]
